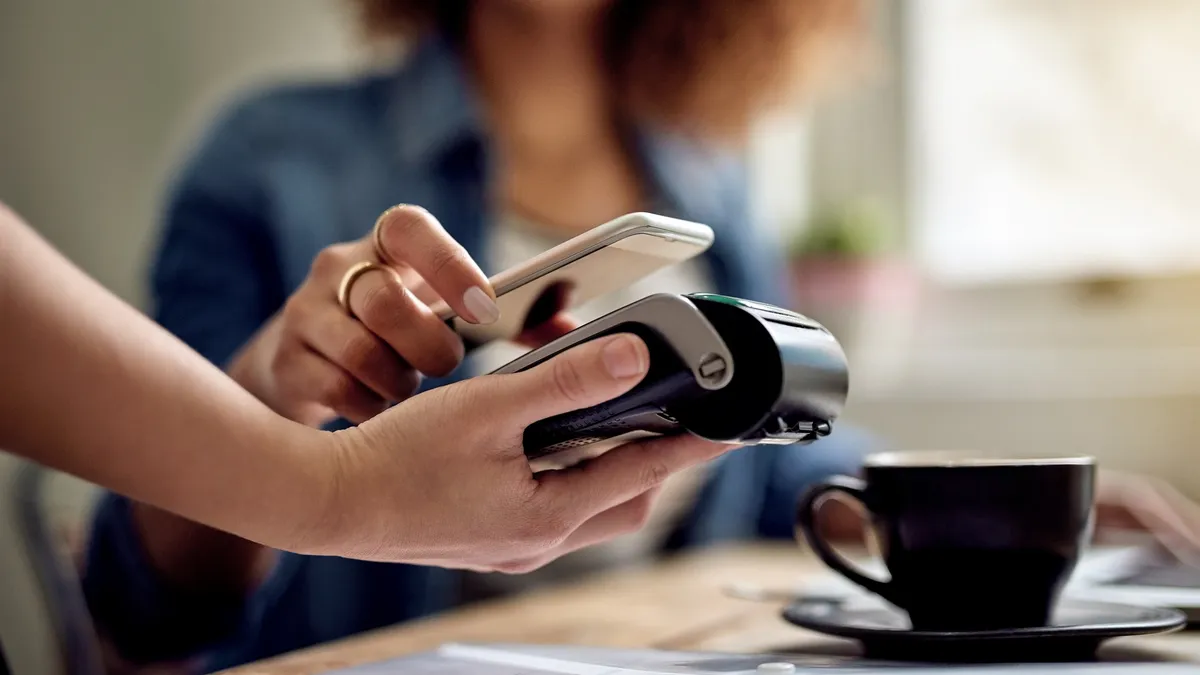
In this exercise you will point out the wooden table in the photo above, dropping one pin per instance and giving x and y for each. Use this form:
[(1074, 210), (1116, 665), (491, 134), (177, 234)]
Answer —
[(677, 605)]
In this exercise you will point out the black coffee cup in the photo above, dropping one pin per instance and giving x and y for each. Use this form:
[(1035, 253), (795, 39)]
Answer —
[(969, 543)]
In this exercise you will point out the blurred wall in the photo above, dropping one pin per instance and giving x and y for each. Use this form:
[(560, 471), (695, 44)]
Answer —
[(1109, 368), (1056, 139), (859, 133), (99, 96)]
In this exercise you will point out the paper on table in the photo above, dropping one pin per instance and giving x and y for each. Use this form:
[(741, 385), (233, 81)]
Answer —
[(462, 659), (602, 661), (455, 659)]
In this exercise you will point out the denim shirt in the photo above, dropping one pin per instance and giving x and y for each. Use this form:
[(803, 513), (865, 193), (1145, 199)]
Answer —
[(288, 172)]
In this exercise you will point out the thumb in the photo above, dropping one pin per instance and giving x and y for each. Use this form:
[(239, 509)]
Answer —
[(584, 376)]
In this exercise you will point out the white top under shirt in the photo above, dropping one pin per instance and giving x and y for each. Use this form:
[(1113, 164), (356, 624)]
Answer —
[(513, 240)]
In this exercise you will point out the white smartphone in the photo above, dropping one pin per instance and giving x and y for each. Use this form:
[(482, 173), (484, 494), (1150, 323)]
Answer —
[(604, 259)]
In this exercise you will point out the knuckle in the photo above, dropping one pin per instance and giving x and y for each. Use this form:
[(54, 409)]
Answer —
[(543, 531), (280, 365), (441, 360), (558, 526), (281, 358), (294, 310), (329, 260), (516, 567), (380, 306), (402, 221), (361, 351), (443, 258), (340, 392), (639, 514), (654, 473), (568, 380), (529, 531), (406, 384)]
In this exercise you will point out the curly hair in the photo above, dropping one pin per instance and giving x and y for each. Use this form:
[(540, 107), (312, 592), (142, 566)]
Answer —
[(701, 66)]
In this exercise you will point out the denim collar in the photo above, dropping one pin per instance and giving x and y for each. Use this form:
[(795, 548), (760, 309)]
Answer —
[(431, 106), (433, 110)]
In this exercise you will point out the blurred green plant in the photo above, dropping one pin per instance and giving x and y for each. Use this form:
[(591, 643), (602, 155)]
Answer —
[(853, 229)]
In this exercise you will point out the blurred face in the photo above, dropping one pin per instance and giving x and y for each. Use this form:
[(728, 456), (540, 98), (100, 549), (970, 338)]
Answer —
[(557, 7)]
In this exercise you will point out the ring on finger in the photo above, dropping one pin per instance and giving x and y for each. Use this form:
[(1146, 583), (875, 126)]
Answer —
[(352, 275), (377, 235)]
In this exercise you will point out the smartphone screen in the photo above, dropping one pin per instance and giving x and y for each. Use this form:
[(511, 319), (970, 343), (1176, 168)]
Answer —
[(529, 294)]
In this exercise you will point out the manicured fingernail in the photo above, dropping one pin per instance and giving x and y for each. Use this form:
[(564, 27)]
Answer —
[(481, 306), (623, 358)]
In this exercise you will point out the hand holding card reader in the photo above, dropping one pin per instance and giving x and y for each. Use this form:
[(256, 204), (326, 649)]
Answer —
[(721, 368)]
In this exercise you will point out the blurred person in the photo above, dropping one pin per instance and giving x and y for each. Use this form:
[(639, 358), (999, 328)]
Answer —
[(96, 389), (517, 124)]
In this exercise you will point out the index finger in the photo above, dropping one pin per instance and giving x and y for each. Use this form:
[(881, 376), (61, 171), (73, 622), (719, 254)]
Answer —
[(411, 235), (622, 474)]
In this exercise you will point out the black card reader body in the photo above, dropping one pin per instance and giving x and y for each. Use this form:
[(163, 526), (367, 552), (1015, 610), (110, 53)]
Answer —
[(721, 368)]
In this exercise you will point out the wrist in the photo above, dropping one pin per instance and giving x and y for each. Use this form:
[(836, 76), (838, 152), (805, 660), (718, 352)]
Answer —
[(334, 518), (361, 501), (280, 471), (312, 490)]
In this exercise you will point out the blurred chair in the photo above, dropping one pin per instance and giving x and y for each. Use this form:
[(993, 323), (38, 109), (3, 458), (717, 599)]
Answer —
[(45, 628)]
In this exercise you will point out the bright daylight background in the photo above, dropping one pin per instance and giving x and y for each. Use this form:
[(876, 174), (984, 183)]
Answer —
[(1032, 166)]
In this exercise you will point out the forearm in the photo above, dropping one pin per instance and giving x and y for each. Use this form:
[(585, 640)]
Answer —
[(94, 388), (196, 557)]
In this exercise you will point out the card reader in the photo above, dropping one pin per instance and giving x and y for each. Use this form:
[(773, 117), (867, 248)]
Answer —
[(722, 368)]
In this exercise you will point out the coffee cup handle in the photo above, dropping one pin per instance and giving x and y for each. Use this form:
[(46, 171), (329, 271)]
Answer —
[(806, 514)]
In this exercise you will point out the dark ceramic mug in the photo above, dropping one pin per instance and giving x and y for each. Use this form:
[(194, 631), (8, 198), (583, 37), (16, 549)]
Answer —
[(969, 543)]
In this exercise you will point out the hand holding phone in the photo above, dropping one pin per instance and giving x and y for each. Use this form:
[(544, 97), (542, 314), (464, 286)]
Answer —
[(604, 259)]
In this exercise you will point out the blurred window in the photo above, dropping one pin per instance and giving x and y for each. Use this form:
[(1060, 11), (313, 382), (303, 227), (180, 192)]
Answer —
[(1054, 139)]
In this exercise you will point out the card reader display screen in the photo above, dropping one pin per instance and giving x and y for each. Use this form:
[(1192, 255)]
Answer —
[(768, 311)]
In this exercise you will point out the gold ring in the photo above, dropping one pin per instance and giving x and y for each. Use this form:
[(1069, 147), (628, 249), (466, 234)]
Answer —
[(352, 275), (377, 235)]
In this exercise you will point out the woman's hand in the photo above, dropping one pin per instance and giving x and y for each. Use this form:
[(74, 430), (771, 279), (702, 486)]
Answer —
[(317, 360), (102, 392), (442, 479), (1127, 502)]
